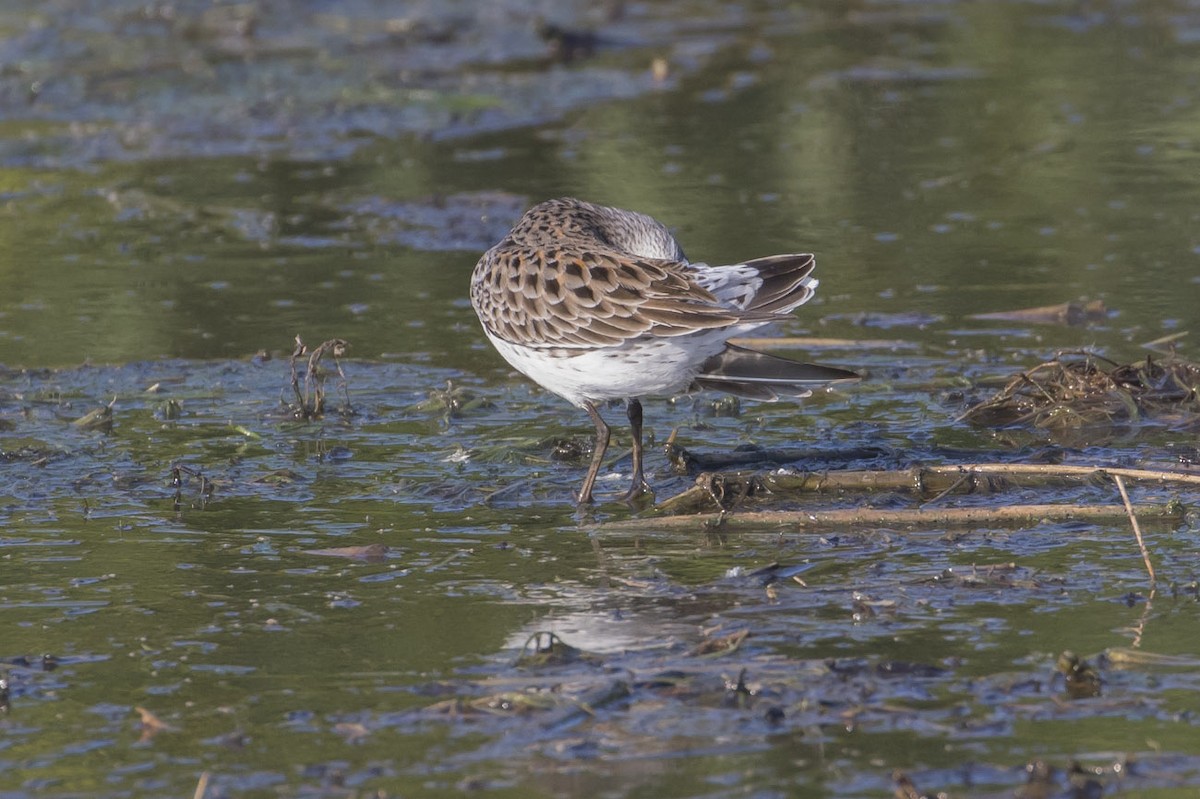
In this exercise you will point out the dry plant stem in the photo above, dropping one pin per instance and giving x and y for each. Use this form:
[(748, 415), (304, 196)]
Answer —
[(201, 786), (297, 351), (872, 517), (1137, 530), (311, 401), (314, 385), (1159, 342), (314, 380), (986, 475), (1062, 470), (808, 342)]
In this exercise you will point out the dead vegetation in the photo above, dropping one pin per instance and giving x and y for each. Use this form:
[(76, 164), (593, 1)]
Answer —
[(1087, 391), (310, 401), (179, 474)]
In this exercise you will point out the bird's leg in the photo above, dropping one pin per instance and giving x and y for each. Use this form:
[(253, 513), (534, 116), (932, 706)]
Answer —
[(639, 485), (598, 449)]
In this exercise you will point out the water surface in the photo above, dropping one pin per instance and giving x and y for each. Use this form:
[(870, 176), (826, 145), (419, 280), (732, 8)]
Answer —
[(186, 188)]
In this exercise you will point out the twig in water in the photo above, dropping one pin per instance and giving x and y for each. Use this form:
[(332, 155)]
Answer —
[(207, 488), (297, 351), (797, 521), (1137, 530), (1158, 343)]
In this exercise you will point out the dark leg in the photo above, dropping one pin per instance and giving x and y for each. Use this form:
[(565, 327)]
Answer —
[(639, 485), (602, 436)]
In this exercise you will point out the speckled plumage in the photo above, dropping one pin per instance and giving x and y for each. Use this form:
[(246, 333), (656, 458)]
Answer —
[(597, 303)]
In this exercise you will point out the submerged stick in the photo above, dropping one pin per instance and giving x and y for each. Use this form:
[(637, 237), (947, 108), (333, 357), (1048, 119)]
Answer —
[(921, 480), (1074, 313), (883, 517), (1137, 530)]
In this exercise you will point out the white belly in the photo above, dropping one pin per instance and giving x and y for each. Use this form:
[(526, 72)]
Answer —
[(653, 367)]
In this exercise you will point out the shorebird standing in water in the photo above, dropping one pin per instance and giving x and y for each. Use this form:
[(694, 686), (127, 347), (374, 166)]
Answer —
[(596, 304)]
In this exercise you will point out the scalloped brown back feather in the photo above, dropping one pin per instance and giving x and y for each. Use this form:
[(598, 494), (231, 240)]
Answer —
[(548, 284)]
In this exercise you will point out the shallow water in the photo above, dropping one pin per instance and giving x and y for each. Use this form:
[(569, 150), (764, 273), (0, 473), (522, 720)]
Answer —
[(187, 189)]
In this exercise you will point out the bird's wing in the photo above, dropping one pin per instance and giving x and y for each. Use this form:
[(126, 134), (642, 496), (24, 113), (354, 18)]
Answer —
[(549, 298)]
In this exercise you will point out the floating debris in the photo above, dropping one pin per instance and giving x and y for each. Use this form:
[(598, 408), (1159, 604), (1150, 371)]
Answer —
[(505, 703), (1073, 314), (547, 649), (1083, 681), (151, 724), (371, 553), (178, 473), (723, 645), (564, 44), (97, 419), (351, 731), (453, 401)]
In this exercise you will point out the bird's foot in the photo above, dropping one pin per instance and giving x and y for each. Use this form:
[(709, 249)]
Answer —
[(638, 493)]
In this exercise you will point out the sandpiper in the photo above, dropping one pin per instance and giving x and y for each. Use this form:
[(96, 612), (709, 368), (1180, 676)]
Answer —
[(595, 304)]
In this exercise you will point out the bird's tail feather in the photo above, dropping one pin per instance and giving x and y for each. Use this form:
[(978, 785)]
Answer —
[(757, 375)]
